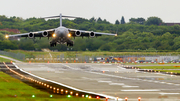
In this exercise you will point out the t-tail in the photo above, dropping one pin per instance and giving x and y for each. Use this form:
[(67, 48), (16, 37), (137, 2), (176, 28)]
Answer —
[(60, 17)]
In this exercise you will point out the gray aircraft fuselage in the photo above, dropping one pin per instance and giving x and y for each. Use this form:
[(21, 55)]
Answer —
[(61, 36), (61, 32)]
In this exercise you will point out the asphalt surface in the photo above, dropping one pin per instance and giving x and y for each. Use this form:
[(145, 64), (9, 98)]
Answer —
[(110, 79)]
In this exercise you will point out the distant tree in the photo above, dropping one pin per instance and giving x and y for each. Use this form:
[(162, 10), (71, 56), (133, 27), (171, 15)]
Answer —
[(176, 27), (117, 22), (92, 19), (105, 22), (99, 20), (122, 20), (2, 36), (132, 20), (138, 20), (153, 21), (79, 20)]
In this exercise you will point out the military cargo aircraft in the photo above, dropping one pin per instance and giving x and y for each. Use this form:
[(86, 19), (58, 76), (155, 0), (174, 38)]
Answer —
[(60, 35)]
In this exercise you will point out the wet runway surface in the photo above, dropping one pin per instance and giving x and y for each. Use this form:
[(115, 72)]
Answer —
[(110, 79)]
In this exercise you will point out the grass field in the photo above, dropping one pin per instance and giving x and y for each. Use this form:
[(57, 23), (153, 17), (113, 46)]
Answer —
[(162, 68), (4, 60), (158, 67), (14, 90), (87, 53), (169, 71)]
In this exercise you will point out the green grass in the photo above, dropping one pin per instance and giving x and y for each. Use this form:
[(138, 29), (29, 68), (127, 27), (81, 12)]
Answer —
[(169, 71), (158, 67), (4, 60), (162, 68), (165, 64), (9, 87)]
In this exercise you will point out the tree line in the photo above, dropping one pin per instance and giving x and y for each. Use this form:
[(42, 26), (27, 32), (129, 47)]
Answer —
[(136, 35)]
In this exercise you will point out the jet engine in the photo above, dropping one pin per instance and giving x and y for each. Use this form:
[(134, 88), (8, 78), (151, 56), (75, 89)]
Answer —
[(78, 33), (45, 34), (92, 34), (31, 35)]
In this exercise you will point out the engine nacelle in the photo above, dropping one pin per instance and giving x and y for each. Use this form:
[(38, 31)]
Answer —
[(45, 34), (31, 35), (92, 34), (78, 33)]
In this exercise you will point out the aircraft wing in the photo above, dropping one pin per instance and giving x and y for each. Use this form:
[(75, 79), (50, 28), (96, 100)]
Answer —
[(75, 32), (45, 33)]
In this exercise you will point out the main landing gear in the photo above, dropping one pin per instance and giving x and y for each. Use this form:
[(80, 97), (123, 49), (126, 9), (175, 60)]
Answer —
[(52, 44)]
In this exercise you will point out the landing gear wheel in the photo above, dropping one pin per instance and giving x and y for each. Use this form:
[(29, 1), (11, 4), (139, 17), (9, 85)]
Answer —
[(69, 44), (52, 44)]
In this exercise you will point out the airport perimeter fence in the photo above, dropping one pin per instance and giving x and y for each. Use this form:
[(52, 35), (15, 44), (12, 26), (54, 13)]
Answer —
[(79, 58), (107, 59), (18, 56)]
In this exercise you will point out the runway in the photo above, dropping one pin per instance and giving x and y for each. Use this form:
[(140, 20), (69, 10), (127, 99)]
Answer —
[(110, 79)]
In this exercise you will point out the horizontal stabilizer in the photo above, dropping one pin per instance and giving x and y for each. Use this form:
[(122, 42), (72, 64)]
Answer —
[(50, 17), (70, 16), (59, 16)]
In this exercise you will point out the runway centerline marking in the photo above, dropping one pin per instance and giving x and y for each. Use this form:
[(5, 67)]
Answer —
[(141, 90), (116, 84), (130, 86), (169, 93), (117, 76), (105, 81)]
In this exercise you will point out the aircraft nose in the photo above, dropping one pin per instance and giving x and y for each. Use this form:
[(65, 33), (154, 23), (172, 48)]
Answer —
[(61, 33)]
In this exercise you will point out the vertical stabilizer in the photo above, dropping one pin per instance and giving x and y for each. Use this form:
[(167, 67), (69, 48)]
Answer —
[(60, 17)]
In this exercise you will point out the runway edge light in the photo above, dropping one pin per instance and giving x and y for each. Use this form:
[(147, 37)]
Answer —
[(69, 96), (33, 96), (51, 96), (126, 98)]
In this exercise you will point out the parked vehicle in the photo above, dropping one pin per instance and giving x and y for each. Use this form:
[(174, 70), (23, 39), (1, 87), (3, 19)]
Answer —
[(140, 61)]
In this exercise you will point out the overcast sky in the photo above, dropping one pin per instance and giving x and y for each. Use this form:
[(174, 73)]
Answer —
[(111, 10)]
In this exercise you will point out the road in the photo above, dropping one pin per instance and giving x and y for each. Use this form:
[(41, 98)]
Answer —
[(110, 79)]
